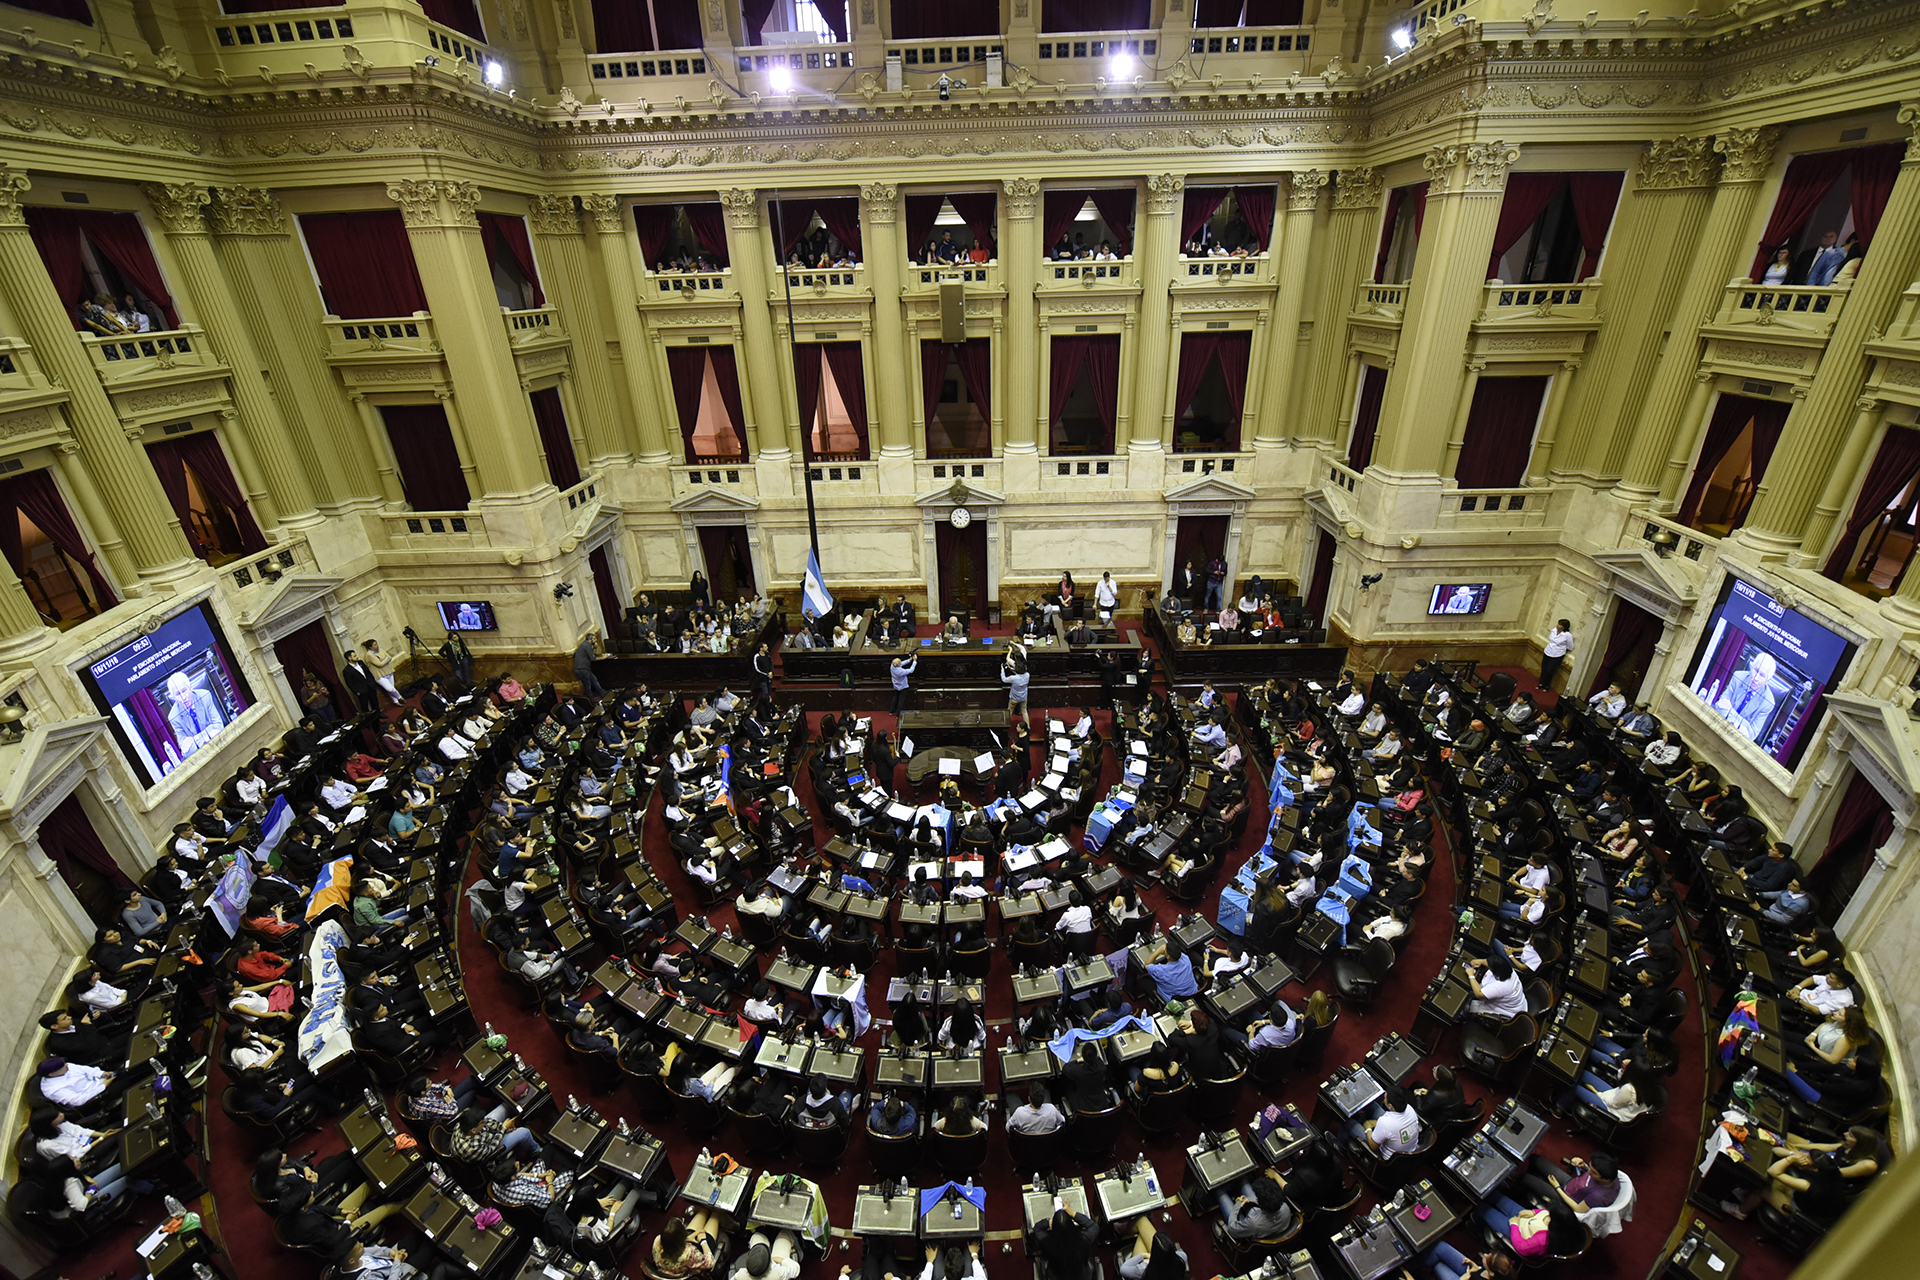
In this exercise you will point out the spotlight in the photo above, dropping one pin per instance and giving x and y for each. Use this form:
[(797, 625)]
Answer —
[(1122, 65), (561, 590), (945, 86), (781, 79), (495, 73), (432, 60), (1403, 38), (1368, 579)]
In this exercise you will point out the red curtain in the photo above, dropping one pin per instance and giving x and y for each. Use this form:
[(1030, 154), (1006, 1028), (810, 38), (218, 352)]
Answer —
[(1366, 416), (35, 495), (610, 614), (1197, 205), (1116, 207), (461, 15), (69, 839), (1069, 355), (426, 456), (1199, 538), (165, 457), (57, 237), (1103, 373), (1594, 197), (550, 416), (726, 374), (922, 213), (1633, 629), (653, 222), (365, 264), (309, 649), (622, 26), (754, 15), (1235, 351), (1893, 469), (1419, 198), (1527, 197), (1871, 183), (1317, 590), (956, 548), (1493, 454), (678, 22), (121, 240), (978, 209), (806, 382), (1274, 13), (1217, 13), (709, 228), (71, 10), (1396, 198), (1730, 418), (1804, 186), (840, 215), (938, 19), (272, 6), (976, 368), (1057, 212), (843, 361), (727, 551), (1064, 17), (1256, 206), (687, 368), (1862, 823), (512, 232), (1197, 354), (933, 374)]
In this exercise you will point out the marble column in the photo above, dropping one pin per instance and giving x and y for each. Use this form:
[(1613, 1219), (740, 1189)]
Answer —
[(1746, 157), (1019, 353), (1280, 400), (257, 428), (154, 546), (1816, 430), (617, 246), (1465, 188), (1686, 439), (1343, 256), (379, 449), (895, 368), (443, 231), (599, 418), (1542, 464), (1156, 246), (1463, 410), (1841, 479), (21, 630), (768, 386)]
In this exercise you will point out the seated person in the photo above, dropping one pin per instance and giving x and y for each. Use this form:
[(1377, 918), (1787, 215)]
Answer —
[(1498, 991), (1036, 1115), (1534, 1233), (961, 1119), (688, 1246), (892, 1117), (1257, 1209), (1392, 1126)]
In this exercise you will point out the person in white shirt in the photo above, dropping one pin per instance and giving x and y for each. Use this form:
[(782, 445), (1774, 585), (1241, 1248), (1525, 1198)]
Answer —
[(1497, 990), (102, 994), (1036, 1115), (1389, 926), (248, 789), (191, 845), (474, 728), (764, 902), (72, 1084), (769, 1259), (517, 781), (338, 795), (966, 888), (1395, 1131), (1559, 644), (1353, 704), (1105, 595), (1534, 875), (1078, 917), (701, 868), (1664, 752), (453, 748), (1824, 994), (70, 1140), (1609, 703), (1305, 889)]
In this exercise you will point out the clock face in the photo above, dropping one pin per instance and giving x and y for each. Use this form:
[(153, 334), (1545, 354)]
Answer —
[(960, 518)]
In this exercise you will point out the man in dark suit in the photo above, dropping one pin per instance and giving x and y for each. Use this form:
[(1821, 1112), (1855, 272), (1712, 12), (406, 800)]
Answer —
[(903, 617), (1186, 584), (359, 680)]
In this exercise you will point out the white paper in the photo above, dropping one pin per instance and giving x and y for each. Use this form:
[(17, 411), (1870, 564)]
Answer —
[(998, 741), (863, 723), (948, 766), (1019, 859), (983, 763), (1053, 848), (378, 784), (979, 869), (1053, 781), (1056, 726), (906, 746), (899, 812), (1034, 799)]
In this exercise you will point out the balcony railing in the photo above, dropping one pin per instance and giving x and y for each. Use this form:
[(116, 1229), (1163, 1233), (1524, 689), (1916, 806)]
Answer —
[(826, 280), (1252, 40), (1087, 272), (1342, 476), (938, 57), (1667, 537), (1224, 269), (533, 326), (1097, 44), (19, 370), (271, 565), (703, 474), (984, 274), (400, 335), (1381, 301), (1500, 508), (588, 490), (300, 26), (688, 283), (1081, 473), (1509, 303), (117, 357), (795, 58), (941, 469), (435, 530), (1806, 311), (642, 66)]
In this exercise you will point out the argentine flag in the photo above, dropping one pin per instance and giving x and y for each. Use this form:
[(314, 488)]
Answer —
[(815, 600)]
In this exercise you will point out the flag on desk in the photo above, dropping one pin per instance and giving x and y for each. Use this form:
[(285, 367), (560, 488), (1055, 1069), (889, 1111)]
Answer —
[(279, 822), (724, 753), (814, 596), (332, 887)]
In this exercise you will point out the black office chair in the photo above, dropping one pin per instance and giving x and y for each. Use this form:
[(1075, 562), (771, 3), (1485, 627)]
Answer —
[(1214, 1101), (957, 1155), (820, 1147), (1163, 1112), (1092, 1134), (762, 1135), (1358, 972), (913, 962), (1495, 1052), (972, 963), (1034, 1152), (894, 1155)]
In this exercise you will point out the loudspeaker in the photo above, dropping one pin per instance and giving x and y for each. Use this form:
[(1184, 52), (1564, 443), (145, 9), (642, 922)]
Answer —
[(953, 311)]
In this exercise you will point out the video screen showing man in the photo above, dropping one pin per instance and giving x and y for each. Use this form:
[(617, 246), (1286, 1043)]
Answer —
[(192, 712), (1764, 669), (1748, 700), (469, 617)]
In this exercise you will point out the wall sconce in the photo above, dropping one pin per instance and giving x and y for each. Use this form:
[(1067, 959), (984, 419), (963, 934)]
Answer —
[(1664, 540), (1409, 542), (11, 728)]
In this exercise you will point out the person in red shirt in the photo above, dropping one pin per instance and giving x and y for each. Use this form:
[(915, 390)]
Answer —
[(256, 965)]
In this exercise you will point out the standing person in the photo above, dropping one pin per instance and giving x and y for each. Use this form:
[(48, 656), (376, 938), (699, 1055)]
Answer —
[(583, 656), (1105, 597), (459, 659), (1216, 582), (699, 590), (381, 665), (1559, 645), (763, 671), (1186, 585), (902, 672), (1013, 674), (359, 680)]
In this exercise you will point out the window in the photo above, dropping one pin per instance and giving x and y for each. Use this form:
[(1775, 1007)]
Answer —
[(1211, 392), (1084, 394), (955, 382)]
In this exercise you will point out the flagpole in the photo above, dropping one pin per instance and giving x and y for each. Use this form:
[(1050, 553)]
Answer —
[(793, 342)]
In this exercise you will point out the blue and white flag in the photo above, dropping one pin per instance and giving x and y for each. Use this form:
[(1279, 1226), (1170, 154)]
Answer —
[(815, 599), (279, 822)]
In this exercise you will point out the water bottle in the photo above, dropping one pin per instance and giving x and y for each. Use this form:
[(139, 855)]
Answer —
[(573, 1103), (489, 1027)]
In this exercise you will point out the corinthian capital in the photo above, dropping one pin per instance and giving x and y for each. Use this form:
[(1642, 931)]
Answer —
[(1675, 164), (1163, 193), (1021, 193), (1746, 153), (1479, 168), (605, 212), (554, 216), (436, 204), (1304, 188), (180, 206), (1358, 188), (743, 208), (247, 211), (879, 200), (12, 186)]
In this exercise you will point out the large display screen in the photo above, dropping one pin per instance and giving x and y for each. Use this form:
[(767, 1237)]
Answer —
[(467, 615), (1460, 597), (1765, 669), (170, 693)]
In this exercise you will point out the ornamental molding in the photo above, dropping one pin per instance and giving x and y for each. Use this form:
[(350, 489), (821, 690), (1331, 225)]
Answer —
[(604, 210), (1163, 194), (879, 200), (554, 216), (12, 186), (1021, 193), (1358, 188), (1480, 168), (28, 423), (743, 208), (1304, 188), (1676, 164), (1759, 354), (179, 206), (1746, 154), (247, 211), (436, 204)]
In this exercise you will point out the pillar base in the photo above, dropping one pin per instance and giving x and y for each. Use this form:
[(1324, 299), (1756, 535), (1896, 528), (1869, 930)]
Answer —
[(20, 650), (1146, 464), (1020, 467), (1901, 612), (1767, 546)]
